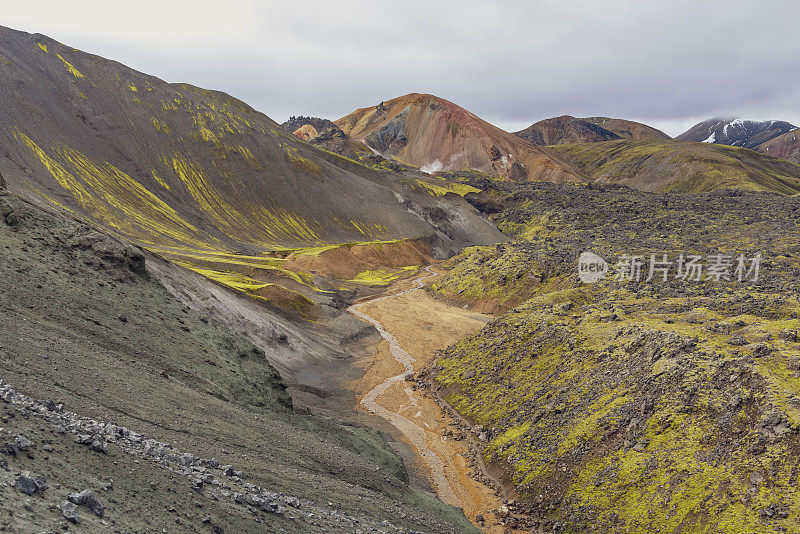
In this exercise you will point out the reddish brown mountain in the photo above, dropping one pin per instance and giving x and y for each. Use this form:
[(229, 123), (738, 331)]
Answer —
[(435, 134), (568, 130), (628, 129), (786, 146), (565, 130)]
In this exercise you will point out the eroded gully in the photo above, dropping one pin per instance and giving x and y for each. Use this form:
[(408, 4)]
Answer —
[(415, 434)]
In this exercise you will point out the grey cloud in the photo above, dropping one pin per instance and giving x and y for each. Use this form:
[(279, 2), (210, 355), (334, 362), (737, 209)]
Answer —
[(662, 62)]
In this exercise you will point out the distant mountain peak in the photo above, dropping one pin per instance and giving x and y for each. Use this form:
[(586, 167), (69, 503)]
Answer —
[(567, 129), (434, 134), (736, 131)]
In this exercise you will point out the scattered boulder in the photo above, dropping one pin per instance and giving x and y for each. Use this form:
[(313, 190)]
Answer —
[(761, 349), (18, 444), (135, 259), (30, 484), (70, 512), (12, 219), (89, 499), (8, 214)]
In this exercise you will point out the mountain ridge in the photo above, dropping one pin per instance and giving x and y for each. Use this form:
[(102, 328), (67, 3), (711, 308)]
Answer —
[(744, 133), (567, 129), (435, 134), (202, 178)]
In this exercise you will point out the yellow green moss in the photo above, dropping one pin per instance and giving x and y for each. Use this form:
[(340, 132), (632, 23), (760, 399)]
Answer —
[(70, 68)]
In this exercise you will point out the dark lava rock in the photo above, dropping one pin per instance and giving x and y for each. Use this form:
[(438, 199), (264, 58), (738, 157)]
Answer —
[(30, 484), (99, 446), (70, 512), (89, 499), (761, 349), (789, 335), (18, 445), (135, 260), (484, 202)]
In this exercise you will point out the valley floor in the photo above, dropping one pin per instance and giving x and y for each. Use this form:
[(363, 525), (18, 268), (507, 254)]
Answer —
[(422, 325)]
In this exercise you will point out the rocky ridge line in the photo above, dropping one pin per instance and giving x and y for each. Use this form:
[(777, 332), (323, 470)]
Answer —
[(221, 481)]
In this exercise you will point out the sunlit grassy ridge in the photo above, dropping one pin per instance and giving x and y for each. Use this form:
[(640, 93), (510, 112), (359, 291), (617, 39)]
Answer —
[(636, 407)]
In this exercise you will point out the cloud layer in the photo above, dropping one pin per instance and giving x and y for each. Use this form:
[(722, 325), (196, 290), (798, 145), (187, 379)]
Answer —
[(668, 63)]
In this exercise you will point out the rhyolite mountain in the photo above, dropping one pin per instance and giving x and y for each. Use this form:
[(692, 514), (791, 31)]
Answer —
[(434, 134), (438, 136), (736, 132), (567, 129), (784, 146)]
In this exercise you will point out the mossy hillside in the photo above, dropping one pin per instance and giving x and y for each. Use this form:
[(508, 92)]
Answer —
[(681, 167), (558, 220), (634, 414), (666, 406), (115, 345), (496, 278)]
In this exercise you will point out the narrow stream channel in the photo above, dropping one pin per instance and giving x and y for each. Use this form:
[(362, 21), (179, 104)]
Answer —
[(412, 431)]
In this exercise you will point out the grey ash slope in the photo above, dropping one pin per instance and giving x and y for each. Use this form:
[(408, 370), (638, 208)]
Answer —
[(84, 324)]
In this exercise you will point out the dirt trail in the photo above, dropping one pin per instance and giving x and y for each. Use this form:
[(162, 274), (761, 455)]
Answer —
[(413, 326)]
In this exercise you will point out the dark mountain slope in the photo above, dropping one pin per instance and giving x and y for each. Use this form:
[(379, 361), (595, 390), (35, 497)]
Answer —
[(628, 129), (197, 175), (172, 166), (569, 130), (565, 129), (84, 324)]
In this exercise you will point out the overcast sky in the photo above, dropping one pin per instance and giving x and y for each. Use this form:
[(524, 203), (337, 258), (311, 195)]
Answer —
[(668, 63)]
